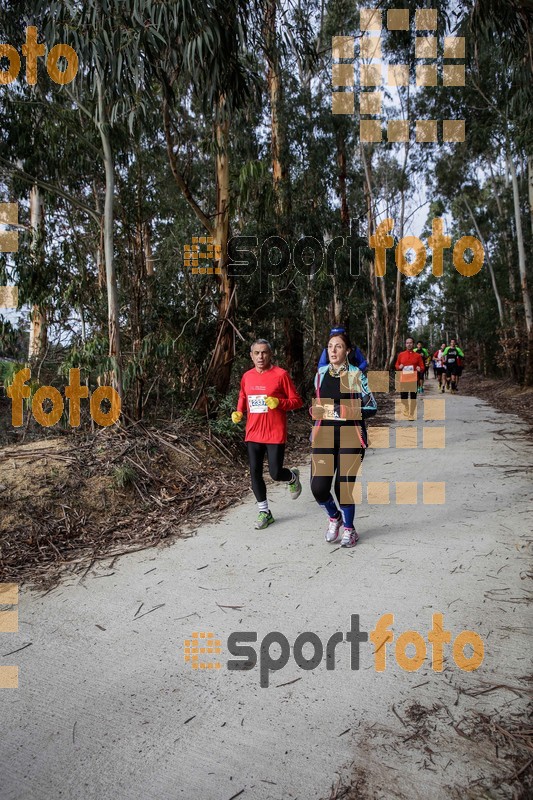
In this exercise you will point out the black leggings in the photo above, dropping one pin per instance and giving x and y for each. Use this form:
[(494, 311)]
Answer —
[(256, 456), (345, 472)]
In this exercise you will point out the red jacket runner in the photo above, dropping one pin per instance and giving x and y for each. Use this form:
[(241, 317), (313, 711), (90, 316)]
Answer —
[(265, 425), (408, 358)]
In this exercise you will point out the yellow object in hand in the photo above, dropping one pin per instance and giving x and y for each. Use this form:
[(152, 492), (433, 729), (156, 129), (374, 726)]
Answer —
[(272, 402), (236, 417)]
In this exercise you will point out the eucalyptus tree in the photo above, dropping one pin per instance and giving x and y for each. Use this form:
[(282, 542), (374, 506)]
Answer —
[(110, 38)]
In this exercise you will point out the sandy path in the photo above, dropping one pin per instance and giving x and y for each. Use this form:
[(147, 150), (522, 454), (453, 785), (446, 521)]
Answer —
[(107, 707)]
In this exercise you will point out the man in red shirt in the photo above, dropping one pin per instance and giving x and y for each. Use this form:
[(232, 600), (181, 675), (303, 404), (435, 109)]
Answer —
[(411, 364), (267, 393)]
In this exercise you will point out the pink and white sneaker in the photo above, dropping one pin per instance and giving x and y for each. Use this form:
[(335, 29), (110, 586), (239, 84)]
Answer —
[(350, 537), (332, 533)]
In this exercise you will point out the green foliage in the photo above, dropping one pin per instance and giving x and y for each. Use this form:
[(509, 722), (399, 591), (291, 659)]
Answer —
[(124, 476)]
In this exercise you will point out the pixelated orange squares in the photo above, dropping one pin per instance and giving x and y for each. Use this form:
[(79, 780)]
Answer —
[(453, 75), (192, 254), (370, 47), (406, 437), (370, 75), (350, 492), (370, 102), (370, 130), (201, 644), (377, 492), (398, 19), (350, 382), (370, 19), (342, 103), (434, 493), (9, 621), (401, 409), (426, 47), (426, 19), (426, 130), (426, 75), (378, 380), (9, 675), (378, 436), (434, 437), (405, 381), (343, 46), (9, 296), (398, 130), (434, 409), (322, 464), (406, 493), (9, 215), (453, 130), (350, 464), (454, 47), (322, 437), (342, 75), (398, 75)]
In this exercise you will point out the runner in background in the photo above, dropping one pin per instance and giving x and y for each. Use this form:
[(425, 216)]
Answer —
[(425, 359), (451, 355), (434, 365), (460, 365), (410, 364), (355, 356), (438, 360), (267, 393)]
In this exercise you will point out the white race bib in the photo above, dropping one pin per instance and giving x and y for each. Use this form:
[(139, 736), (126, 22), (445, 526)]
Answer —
[(409, 368), (256, 403)]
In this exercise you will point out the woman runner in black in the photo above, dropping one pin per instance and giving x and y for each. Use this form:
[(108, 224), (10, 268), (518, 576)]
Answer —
[(339, 439)]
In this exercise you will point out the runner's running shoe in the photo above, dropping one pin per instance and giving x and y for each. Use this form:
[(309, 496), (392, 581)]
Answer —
[(350, 537), (295, 488), (264, 519), (332, 533)]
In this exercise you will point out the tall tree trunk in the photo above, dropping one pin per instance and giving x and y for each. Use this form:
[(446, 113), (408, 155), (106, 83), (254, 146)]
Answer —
[(337, 305), (38, 323), (292, 326), (530, 188), (111, 279), (526, 297), (398, 286), (374, 324), (489, 263), (219, 368), (223, 354)]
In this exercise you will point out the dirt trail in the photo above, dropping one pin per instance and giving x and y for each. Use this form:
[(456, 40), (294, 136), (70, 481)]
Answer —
[(107, 706)]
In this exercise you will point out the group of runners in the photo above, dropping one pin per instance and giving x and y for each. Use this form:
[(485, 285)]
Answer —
[(447, 361), (342, 403)]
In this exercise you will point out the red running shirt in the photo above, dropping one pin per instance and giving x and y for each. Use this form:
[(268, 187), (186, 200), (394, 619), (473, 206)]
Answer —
[(265, 425), (410, 359)]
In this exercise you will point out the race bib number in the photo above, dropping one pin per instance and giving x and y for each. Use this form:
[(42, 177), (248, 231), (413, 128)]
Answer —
[(256, 403), (330, 412), (409, 368)]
